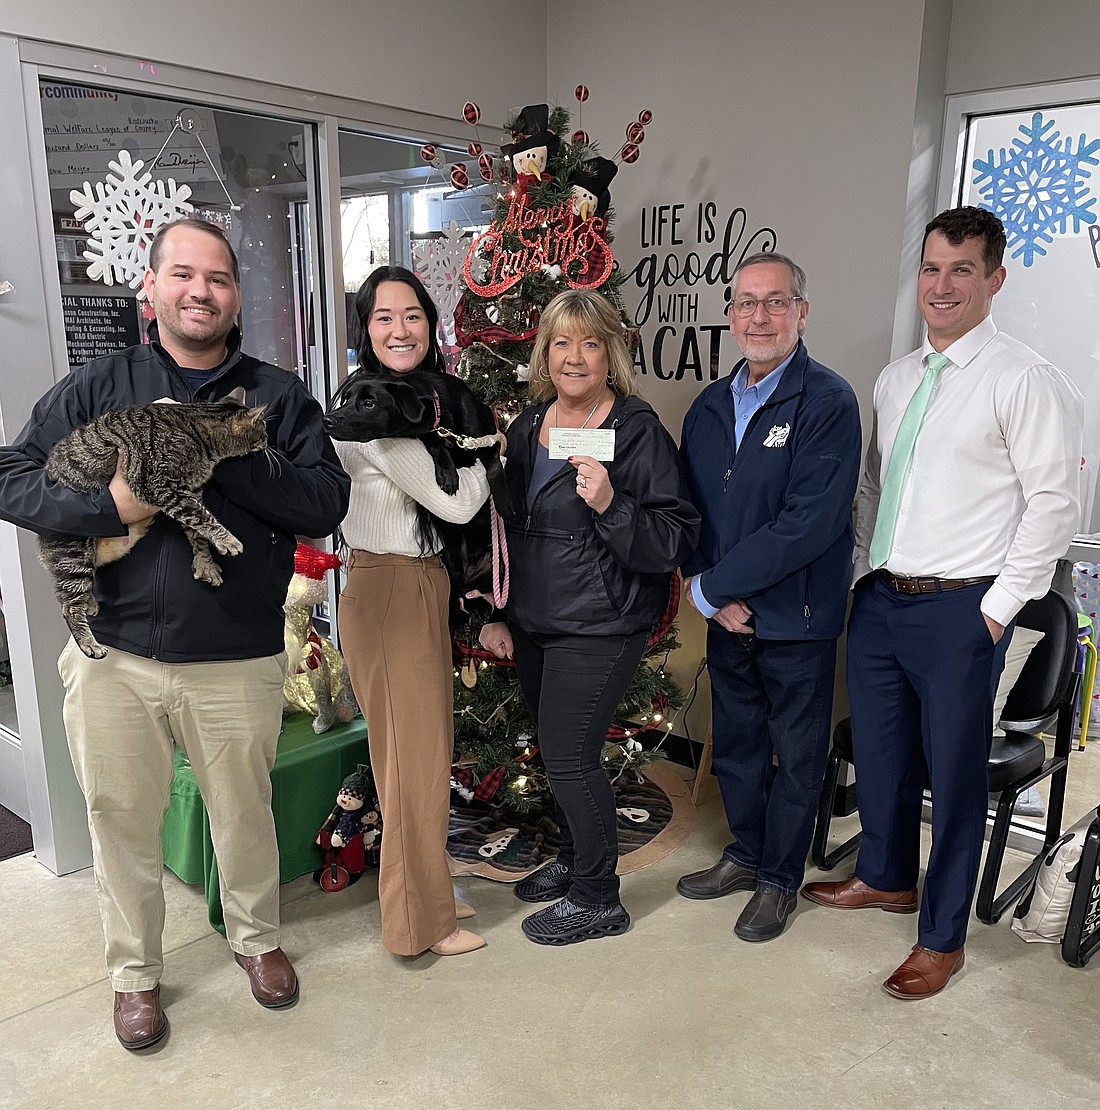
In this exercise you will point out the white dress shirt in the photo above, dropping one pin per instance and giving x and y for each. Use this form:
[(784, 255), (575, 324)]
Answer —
[(994, 484)]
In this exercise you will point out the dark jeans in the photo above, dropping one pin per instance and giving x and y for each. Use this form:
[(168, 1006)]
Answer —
[(573, 685), (770, 696)]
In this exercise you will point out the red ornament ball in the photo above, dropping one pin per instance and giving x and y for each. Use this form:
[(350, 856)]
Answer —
[(580, 138), (635, 133), (473, 150), (485, 165), (645, 117), (471, 113), (459, 178), (581, 93), (629, 153), (427, 152)]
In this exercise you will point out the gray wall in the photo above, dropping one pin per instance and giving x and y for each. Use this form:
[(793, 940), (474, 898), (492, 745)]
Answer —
[(1007, 43), (806, 122), (424, 55)]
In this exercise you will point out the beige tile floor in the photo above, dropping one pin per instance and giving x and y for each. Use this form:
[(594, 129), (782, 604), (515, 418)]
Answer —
[(676, 1013)]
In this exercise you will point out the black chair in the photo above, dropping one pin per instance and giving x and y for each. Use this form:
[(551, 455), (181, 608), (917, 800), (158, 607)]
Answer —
[(1044, 695), (839, 755)]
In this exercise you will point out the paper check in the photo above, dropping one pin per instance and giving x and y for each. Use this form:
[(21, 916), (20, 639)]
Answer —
[(599, 443)]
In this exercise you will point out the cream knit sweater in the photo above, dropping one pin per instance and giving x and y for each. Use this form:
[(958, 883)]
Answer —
[(388, 478)]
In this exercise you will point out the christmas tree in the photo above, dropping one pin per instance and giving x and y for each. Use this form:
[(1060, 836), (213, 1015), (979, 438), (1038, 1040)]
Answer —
[(550, 230)]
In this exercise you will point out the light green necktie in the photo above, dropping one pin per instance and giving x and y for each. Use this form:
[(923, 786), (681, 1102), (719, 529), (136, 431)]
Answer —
[(890, 499)]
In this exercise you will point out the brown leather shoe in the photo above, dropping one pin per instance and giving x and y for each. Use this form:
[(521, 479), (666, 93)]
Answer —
[(854, 894), (274, 983), (139, 1019), (924, 973)]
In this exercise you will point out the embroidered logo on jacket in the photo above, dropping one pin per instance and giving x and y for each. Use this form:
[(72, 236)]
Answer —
[(777, 437)]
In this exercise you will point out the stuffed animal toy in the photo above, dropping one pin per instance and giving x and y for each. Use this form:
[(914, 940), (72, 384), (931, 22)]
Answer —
[(350, 832), (317, 679), (371, 826), (349, 802)]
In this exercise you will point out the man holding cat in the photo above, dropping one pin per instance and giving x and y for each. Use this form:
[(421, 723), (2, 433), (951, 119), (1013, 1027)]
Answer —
[(188, 664)]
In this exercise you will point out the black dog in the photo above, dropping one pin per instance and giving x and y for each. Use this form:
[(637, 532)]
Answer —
[(421, 404)]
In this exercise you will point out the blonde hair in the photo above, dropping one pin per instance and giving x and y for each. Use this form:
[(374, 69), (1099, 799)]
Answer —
[(584, 313)]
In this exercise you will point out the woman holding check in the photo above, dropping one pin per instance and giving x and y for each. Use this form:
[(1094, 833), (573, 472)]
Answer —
[(602, 520)]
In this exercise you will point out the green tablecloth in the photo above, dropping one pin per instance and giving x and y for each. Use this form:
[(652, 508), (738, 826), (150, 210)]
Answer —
[(307, 774)]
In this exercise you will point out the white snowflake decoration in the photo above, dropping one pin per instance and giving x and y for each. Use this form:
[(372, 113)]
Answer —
[(1038, 187), (122, 217), (439, 264)]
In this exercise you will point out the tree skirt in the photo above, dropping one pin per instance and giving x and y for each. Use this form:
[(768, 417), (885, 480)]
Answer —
[(655, 817)]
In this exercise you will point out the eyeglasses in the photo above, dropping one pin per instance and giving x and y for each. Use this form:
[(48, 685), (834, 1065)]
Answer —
[(774, 306)]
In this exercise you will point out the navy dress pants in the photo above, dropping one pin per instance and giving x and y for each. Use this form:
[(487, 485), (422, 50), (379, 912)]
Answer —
[(572, 686), (922, 674), (770, 696)]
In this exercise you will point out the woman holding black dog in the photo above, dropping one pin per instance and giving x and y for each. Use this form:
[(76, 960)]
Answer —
[(393, 628), (591, 550)]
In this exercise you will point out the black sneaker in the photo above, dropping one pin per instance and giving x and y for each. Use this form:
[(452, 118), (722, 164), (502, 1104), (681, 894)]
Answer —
[(547, 884), (567, 923)]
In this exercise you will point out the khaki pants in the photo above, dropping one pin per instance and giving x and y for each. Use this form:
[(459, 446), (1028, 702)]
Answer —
[(393, 630), (124, 715)]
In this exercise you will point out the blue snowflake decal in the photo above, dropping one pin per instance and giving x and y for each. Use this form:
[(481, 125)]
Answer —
[(1038, 187)]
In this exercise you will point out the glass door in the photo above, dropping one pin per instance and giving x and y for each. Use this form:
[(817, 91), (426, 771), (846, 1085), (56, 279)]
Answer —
[(246, 172)]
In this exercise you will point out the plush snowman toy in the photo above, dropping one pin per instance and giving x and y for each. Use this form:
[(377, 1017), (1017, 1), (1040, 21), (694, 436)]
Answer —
[(534, 144), (531, 162), (590, 181)]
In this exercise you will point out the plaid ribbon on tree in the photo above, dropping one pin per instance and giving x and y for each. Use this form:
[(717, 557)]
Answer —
[(485, 790)]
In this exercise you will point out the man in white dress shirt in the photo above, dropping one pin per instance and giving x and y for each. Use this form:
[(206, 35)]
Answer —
[(969, 496)]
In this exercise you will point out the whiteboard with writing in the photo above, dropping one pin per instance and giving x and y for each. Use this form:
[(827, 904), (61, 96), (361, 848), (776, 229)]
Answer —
[(86, 127)]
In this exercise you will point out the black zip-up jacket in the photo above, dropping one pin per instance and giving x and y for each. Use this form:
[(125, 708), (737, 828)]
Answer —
[(149, 602), (577, 572)]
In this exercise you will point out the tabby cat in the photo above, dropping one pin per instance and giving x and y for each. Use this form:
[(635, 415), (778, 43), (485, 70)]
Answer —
[(168, 453)]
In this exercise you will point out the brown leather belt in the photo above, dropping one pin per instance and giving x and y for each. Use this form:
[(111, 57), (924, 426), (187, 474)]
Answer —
[(905, 585)]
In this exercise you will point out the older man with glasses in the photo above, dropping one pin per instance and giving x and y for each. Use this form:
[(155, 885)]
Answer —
[(772, 456)]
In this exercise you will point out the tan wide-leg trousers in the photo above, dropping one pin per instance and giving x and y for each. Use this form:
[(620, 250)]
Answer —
[(123, 716), (393, 631)]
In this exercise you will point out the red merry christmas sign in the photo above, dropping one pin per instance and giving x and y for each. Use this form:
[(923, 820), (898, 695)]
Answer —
[(552, 236)]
